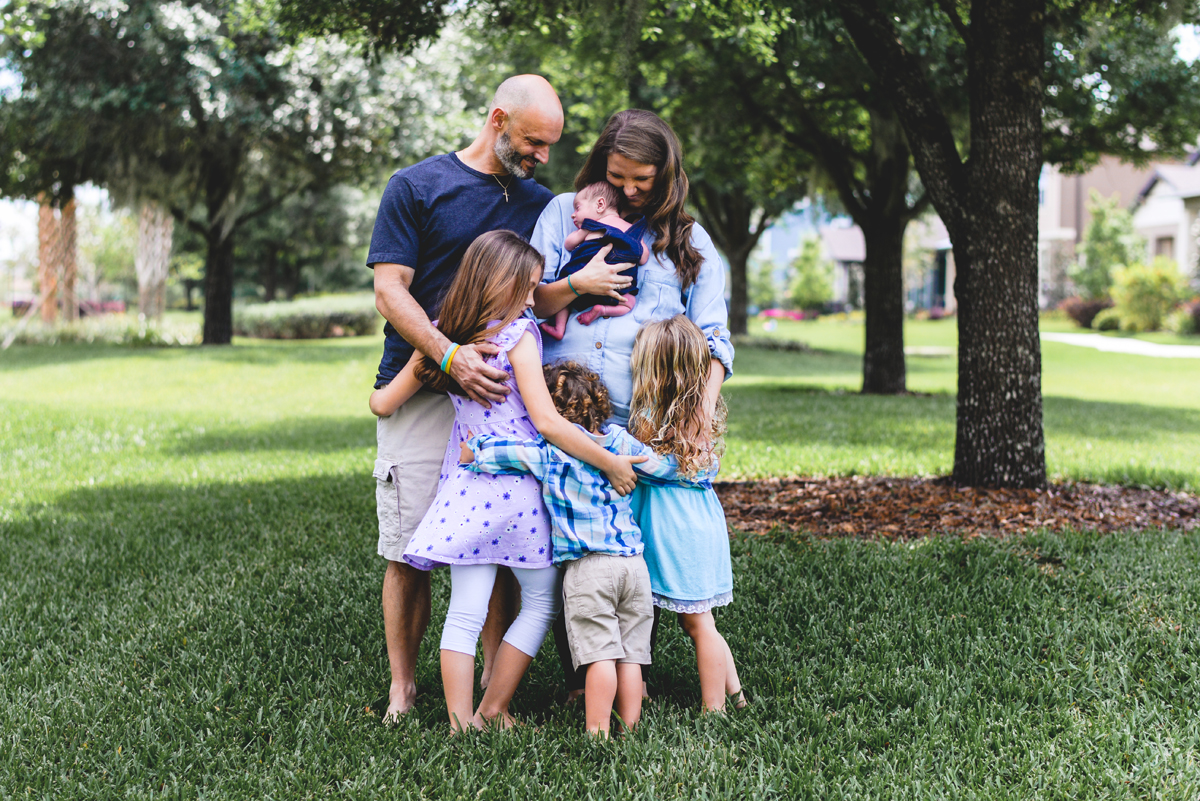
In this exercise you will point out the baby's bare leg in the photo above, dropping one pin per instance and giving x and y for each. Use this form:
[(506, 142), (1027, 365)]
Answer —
[(599, 310), (559, 326)]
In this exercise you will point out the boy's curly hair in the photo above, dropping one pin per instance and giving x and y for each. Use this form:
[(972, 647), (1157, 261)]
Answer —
[(579, 394)]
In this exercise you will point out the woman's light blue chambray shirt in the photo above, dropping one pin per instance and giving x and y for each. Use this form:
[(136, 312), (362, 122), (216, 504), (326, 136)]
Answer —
[(606, 345)]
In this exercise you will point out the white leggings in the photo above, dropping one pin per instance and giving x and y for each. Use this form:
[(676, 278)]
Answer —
[(470, 591)]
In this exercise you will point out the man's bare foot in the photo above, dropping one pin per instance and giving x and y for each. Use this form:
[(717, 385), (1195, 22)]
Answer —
[(401, 699)]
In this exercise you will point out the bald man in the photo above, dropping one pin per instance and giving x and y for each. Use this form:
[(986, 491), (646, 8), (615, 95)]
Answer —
[(429, 214)]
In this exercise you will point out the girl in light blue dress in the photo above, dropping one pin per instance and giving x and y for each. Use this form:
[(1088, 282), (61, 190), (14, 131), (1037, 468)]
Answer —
[(683, 524)]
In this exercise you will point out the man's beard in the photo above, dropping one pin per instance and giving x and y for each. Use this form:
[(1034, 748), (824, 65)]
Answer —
[(510, 158)]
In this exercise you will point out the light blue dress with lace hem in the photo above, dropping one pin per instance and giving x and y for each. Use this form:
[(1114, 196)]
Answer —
[(686, 543)]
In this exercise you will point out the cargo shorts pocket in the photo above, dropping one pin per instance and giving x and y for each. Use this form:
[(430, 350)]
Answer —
[(387, 502)]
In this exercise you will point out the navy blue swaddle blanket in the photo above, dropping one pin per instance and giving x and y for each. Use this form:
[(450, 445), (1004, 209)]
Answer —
[(627, 247)]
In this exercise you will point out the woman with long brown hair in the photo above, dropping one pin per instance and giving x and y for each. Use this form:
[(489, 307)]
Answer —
[(641, 156)]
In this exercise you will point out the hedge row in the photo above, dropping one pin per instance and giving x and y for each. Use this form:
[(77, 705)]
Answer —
[(311, 318)]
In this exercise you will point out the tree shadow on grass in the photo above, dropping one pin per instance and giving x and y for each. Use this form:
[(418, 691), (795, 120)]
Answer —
[(254, 351), (780, 406), (319, 434)]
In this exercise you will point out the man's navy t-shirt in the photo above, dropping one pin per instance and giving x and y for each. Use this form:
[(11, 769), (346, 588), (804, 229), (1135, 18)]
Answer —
[(430, 213)]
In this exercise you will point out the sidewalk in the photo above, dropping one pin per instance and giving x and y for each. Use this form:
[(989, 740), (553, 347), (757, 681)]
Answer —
[(1135, 347)]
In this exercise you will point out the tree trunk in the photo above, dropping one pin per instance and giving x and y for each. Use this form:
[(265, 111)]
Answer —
[(47, 264), (883, 305), (1000, 440), (156, 228), (270, 275), (189, 286), (989, 206), (67, 249), (728, 216), (738, 296), (218, 289)]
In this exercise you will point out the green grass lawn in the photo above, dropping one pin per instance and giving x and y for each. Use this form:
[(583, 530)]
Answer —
[(1108, 417), (191, 599)]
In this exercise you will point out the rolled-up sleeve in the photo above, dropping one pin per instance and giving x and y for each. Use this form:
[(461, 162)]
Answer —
[(550, 231), (706, 301), (507, 456)]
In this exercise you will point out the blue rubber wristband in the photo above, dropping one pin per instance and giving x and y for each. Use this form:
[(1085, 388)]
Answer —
[(448, 355)]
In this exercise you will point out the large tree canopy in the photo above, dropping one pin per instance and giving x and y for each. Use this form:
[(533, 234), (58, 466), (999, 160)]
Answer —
[(184, 104), (1075, 67)]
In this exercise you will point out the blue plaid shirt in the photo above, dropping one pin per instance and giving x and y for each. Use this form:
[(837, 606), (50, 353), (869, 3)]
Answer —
[(587, 514)]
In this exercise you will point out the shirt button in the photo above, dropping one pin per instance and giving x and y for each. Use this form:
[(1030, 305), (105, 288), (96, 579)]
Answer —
[(598, 346)]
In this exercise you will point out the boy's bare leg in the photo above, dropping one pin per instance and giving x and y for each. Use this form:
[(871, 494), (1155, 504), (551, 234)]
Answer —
[(599, 692), (629, 694), (502, 611), (511, 664), (405, 618), (458, 678)]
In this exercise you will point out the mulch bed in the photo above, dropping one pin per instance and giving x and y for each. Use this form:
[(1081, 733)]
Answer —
[(906, 508)]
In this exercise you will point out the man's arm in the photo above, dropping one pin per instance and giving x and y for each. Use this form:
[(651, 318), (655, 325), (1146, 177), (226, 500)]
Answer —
[(480, 381)]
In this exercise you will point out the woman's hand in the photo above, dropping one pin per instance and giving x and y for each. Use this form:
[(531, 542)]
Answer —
[(598, 277), (620, 472)]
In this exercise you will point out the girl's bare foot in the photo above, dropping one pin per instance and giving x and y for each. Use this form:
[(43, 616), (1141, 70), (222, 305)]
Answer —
[(573, 695), (738, 699), (502, 721)]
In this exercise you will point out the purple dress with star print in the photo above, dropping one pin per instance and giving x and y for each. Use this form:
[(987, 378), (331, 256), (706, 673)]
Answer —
[(479, 518)]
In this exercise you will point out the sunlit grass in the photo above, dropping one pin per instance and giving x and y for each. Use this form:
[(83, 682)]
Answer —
[(192, 598)]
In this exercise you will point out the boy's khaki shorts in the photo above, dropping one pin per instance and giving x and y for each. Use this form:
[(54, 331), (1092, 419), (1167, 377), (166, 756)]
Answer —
[(412, 444), (608, 610)]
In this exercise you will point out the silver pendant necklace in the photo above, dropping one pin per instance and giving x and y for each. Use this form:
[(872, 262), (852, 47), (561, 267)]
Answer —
[(503, 185)]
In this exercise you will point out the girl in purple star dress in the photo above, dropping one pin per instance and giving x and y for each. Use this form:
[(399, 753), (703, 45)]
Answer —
[(479, 521)]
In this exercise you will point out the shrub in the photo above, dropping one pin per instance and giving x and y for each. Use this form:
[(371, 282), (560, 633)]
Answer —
[(105, 329), (1186, 319), (311, 318), (1180, 321), (1108, 242), (1145, 294), (811, 277), (1107, 320), (1083, 312)]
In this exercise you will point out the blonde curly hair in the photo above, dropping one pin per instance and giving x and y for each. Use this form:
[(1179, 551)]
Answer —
[(670, 364)]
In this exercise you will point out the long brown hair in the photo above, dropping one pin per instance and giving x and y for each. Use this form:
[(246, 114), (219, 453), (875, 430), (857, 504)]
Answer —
[(670, 363), (643, 136), (487, 293)]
